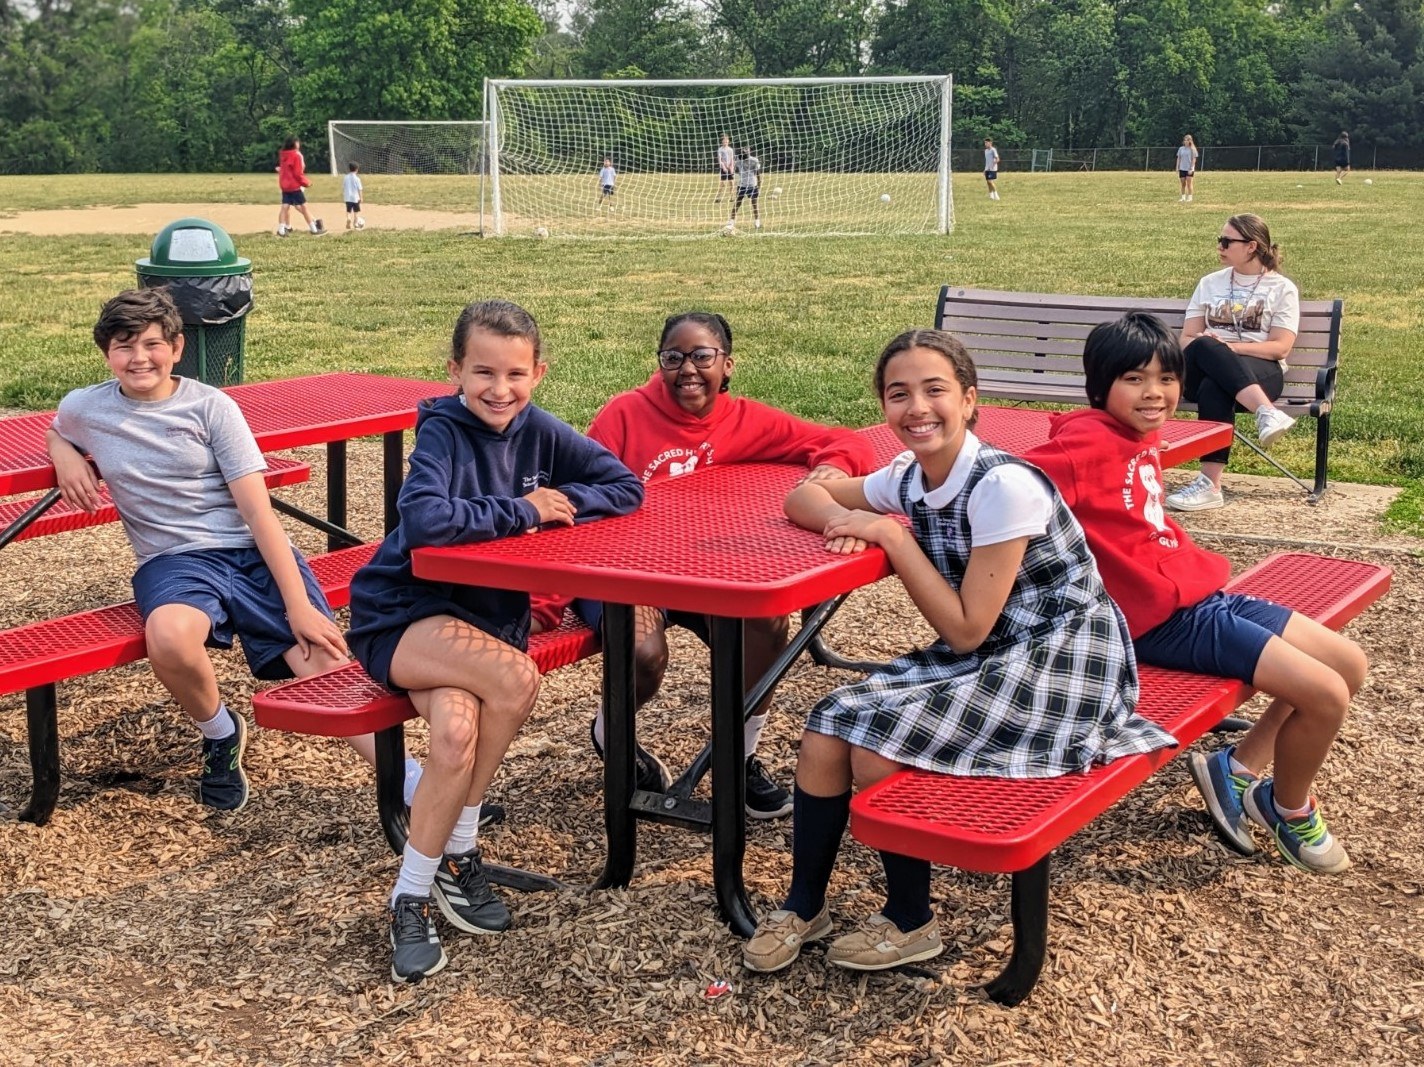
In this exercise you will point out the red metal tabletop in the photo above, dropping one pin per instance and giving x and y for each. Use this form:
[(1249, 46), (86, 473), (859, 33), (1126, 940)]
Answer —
[(282, 414), (716, 543)]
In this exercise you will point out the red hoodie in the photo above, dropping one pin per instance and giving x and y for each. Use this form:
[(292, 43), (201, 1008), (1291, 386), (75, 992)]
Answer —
[(291, 170), (1111, 480), (657, 439)]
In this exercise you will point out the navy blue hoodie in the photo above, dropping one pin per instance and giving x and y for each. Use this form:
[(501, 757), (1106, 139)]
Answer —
[(467, 483)]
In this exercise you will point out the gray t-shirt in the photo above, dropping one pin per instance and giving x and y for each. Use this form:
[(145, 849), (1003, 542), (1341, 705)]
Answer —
[(167, 463)]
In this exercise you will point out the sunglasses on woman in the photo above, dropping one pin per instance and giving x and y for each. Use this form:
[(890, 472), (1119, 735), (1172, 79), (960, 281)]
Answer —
[(702, 358), (1227, 242)]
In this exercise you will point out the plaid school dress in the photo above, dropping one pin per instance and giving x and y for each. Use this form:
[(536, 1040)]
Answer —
[(1050, 691)]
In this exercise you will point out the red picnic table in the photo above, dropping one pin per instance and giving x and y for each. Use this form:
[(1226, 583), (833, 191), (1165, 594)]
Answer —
[(320, 409)]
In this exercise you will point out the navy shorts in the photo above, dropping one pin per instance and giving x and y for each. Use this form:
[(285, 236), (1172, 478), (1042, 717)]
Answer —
[(1223, 635), (608, 190), (727, 175), (1185, 173), (295, 199), (236, 591), (991, 175), (353, 206)]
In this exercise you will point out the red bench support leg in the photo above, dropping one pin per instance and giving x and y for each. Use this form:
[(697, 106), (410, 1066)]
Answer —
[(1030, 916), (42, 721)]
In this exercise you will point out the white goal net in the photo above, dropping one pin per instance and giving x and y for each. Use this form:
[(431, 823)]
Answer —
[(809, 156), (407, 147)]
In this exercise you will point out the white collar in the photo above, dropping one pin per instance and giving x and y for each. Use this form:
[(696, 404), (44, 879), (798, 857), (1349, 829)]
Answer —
[(958, 475)]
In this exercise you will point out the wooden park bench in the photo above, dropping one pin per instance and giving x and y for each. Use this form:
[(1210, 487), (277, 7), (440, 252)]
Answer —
[(1004, 825), (1029, 347)]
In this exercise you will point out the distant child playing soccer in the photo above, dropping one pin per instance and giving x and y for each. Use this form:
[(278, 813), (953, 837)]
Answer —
[(1105, 461), (292, 180), (991, 168), (1032, 675), (726, 165), (351, 192), (186, 475), (682, 420), (486, 464), (607, 178), (748, 185)]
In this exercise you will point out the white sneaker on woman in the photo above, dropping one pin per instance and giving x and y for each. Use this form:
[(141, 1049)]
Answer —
[(1197, 495), (1271, 424)]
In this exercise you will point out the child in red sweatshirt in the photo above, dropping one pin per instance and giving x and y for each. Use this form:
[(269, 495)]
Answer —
[(1106, 463), (682, 420), (292, 180)]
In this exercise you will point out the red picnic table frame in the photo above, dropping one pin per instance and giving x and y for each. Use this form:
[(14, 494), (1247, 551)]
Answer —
[(717, 544), (319, 409)]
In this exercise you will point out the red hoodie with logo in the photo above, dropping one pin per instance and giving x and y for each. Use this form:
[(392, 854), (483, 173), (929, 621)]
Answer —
[(291, 170), (1111, 479), (656, 439)]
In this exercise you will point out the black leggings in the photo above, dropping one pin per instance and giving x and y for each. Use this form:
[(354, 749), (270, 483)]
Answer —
[(1215, 374)]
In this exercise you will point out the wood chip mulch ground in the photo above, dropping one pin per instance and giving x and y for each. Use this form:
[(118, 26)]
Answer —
[(138, 929)]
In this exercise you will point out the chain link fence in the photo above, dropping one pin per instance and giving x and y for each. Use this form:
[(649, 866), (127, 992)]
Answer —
[(1298, 157)]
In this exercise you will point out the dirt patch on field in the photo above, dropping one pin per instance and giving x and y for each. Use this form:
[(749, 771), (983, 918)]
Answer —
[(139, 929), (235, 218)]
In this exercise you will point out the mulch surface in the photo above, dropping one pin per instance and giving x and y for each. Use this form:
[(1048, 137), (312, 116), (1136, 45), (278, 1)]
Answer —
[(137, 928)]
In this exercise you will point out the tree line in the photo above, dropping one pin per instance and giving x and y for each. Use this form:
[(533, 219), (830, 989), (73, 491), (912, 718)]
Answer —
[(215, 85)]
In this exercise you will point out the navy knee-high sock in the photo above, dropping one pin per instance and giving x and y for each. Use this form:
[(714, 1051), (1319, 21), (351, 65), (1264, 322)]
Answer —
[(907, 891), (817, 824)]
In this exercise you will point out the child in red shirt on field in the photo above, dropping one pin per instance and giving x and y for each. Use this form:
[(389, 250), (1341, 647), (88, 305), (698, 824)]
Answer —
[(1106, 463), (292, 180), (683, 419)]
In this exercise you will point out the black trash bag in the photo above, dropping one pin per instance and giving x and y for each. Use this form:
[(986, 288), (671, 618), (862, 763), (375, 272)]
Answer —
[(206, 301)]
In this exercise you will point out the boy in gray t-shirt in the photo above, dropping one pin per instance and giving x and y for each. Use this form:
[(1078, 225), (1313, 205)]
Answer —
[(186, 476)]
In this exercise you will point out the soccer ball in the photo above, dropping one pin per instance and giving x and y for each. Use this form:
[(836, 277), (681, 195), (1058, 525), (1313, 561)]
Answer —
[(1369, 181), (360, 223), (729, 230), (776, 192), (541, 231), (885, 198)]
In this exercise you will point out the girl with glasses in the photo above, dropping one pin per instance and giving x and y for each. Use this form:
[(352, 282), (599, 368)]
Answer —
[(681, 421), (1241, 323)]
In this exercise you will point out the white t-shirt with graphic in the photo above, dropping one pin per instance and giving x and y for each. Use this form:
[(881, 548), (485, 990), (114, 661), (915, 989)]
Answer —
[(1245, 307)]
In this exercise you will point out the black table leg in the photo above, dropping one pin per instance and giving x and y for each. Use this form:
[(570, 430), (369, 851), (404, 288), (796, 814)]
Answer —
[(729, 781), (393, 473), (390, 786), (1030, 916), (335, 490), (618, 781), (42, 722)]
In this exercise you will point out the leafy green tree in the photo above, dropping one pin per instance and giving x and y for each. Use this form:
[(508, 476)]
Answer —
[(405, 59), (799, 37), (661, 37)]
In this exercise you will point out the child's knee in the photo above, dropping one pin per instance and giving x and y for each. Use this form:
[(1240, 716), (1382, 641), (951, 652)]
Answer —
[(1354, 665), (767, 632), (175, 638), (650, 660), (453, 738), (868, 767), (514, 694)]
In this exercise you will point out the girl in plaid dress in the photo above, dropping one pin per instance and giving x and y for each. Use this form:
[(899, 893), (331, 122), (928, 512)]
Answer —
[(1032, 677)]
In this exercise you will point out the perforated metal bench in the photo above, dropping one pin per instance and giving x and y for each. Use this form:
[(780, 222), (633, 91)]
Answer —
[(1002, 825), (1029, 346), (38, 655)]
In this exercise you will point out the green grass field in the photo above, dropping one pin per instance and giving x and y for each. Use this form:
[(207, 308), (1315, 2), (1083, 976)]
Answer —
[(809, 314)]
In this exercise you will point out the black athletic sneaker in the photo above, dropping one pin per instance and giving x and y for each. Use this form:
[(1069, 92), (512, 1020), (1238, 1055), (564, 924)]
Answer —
[(223, 785), (465, 898), (651, 773), (765, 799), (415, 946)]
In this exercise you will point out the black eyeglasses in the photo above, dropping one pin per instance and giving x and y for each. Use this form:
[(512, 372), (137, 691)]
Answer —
[(672, 359), (1227, 242)]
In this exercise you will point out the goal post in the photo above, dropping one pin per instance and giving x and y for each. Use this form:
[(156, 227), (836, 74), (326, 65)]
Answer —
[(811, 156), (397, 147)]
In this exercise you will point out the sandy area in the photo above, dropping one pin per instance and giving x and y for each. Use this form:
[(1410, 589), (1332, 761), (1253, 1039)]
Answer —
[(138, 929), (235, 218)]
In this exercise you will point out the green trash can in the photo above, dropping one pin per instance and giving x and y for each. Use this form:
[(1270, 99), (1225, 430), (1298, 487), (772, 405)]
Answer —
[(195, 260)]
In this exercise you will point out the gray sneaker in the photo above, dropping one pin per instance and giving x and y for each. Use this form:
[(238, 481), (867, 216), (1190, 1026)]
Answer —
[(465, 898), (1271, 425), (415, 946), (1307, 842), (1197, 495), (223, 785)]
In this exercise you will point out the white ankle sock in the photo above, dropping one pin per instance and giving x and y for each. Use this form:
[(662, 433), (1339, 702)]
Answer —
[(417, 874), (219, 726), (752, 733), (1294, 813), (1237, 767), (467, 828), (413, 771)]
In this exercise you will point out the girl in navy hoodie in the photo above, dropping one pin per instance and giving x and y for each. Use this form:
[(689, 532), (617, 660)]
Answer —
[(1106, 463), (486, 464)]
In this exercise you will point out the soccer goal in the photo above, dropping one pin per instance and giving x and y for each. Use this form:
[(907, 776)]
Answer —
[(810, 156), (456, 147)]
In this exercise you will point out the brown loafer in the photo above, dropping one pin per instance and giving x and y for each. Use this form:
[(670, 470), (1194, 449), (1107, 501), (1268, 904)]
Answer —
[(879, 945), (779, 937)]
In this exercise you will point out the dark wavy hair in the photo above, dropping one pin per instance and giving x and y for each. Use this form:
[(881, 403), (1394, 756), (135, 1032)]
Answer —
[(133, 311), (1127, 344), (500, 317)]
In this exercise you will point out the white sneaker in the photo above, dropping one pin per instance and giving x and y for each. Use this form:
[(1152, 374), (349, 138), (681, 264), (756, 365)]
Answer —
[(1339, 182), (758, 224), (283, 229), (1182, 199), (1271, 424), (1189, 199), (1197, 495)]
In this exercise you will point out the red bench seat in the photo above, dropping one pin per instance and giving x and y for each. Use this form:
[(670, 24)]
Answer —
[(1013, 825)]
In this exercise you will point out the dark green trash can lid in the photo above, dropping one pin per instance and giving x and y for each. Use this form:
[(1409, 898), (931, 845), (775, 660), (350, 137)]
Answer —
[(193, 248)]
